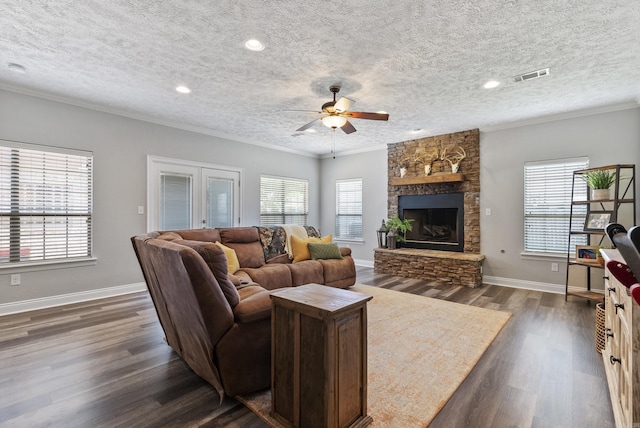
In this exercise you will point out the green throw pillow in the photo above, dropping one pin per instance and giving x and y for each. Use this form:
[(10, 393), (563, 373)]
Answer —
[(322, 251)]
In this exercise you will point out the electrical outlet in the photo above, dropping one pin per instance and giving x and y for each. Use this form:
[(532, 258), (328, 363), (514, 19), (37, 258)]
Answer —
[(15, 279), (140, 209), (554, 267), (487, 211)]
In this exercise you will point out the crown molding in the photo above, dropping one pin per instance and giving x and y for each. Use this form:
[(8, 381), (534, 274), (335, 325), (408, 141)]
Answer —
[(563, 116), (150, 119)]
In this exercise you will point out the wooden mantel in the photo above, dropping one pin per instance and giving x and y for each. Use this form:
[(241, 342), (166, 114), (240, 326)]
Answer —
[(427, 179)]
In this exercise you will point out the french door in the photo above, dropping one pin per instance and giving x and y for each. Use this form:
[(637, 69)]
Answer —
[(188, 195), (219, 196)]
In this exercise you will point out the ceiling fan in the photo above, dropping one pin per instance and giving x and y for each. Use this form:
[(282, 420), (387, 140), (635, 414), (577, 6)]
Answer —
[(335, 114)]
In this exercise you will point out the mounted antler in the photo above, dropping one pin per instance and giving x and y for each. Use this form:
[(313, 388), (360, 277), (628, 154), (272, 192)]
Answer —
[(404, 165), (455, 159), (427, 158)]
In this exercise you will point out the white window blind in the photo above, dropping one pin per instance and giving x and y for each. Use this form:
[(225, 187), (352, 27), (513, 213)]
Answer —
[(349, 209), (283, 201), (547, 205), (45, 204), (175, 201)]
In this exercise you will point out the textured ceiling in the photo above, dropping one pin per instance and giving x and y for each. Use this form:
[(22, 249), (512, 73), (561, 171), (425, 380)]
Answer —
[(424, 62)]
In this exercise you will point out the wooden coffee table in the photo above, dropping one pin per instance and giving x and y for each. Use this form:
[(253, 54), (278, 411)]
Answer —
[(319, 357)]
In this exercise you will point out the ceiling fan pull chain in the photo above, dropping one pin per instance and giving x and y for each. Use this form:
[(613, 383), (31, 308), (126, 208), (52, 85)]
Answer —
[(333, 143)]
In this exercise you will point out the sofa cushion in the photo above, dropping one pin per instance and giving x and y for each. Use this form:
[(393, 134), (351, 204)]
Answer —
[(270, 276), (170, 236), (282, 258), (206, 234), (255, 305), (300, 248), (339, 273), (232, 259), (306, 272), (246, 243), (217, 262), (324, 251)]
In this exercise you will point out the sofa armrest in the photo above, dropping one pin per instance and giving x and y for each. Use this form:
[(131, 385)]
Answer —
[(345, 251), (253, 308)]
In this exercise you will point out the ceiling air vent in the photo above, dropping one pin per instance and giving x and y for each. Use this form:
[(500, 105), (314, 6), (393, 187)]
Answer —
[(532, 75)]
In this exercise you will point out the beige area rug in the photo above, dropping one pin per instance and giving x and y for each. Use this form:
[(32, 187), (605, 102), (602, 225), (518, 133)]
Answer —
[(419, 352)]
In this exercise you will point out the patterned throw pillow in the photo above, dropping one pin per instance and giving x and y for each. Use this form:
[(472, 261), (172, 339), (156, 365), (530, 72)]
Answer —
[(322, 251), (312, 231), (273, 241)]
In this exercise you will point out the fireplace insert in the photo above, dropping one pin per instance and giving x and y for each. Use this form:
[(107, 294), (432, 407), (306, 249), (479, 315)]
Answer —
[(438, 221)]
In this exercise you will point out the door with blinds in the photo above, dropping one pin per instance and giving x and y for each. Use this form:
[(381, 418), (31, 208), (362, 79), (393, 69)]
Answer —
[(219, 190), (186, 195)]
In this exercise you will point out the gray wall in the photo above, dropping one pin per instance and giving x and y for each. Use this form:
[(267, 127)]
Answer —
[(120, 147), (372, 168), (607, 138)]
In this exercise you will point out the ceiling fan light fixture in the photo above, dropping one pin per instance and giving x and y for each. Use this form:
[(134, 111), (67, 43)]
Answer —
[(334, 121)]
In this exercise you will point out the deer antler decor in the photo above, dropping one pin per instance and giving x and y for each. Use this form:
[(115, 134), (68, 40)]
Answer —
[(427, 158), (404, 165), (455, 159)]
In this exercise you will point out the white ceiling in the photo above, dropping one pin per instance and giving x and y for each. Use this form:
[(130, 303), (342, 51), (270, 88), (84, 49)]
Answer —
[(424, 62)]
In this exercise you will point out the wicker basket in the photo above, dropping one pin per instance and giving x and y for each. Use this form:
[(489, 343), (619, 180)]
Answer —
[(600, 337)]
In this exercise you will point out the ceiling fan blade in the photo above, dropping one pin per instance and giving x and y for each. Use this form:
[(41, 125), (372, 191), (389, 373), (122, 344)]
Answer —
[(366, 115), (342, 104), (308, 111), (348, 128), (307, 126)]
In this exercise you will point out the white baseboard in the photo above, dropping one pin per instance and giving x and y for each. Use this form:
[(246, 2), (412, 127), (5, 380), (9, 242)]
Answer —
[(66, 299), (363, 263), (528, 285)]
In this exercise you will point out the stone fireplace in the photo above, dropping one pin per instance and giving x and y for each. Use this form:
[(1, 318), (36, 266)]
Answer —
[(444, 245)]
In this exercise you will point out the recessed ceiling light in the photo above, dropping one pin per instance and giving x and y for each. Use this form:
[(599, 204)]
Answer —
[(183, 89), (310, 131), (254, 45), (491, 84), (417, 130), (17, 68)]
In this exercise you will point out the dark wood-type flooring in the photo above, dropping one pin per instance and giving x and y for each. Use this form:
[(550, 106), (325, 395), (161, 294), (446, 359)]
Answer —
[(105, 364)]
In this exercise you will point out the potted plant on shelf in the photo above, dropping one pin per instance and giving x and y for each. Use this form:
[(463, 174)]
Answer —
[(600, 181), (396, 229)]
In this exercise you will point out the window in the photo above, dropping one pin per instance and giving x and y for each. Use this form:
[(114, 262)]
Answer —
[(349, 209), (547, 205), (283, 201), (45, 204)]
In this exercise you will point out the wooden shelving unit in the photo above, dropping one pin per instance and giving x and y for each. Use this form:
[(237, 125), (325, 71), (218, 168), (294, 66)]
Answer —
[(624, 191), (427, 179)]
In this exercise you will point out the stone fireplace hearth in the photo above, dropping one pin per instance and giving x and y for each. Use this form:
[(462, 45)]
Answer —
[(445, 206)]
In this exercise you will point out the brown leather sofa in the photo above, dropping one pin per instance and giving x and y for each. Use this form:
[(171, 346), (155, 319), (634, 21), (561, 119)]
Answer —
[(220, 324)]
